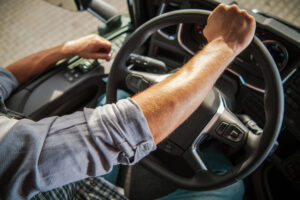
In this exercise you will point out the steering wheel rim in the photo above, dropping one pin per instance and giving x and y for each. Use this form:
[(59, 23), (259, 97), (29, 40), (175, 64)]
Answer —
[(273, 99)]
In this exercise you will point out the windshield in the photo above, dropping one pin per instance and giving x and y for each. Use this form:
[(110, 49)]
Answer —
[(286, 10)]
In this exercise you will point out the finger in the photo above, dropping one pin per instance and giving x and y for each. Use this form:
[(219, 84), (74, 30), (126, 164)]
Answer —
[(219, 9), (100, 55), (234, 8), (105, 48)]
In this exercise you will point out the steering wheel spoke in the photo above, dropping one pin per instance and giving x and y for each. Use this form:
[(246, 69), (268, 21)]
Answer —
[(228, 129), (224, 126), (195, 158)]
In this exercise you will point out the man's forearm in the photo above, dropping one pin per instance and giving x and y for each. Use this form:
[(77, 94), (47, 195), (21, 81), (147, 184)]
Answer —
[(91, 47), (34, 64), (229, 31), (170, 102)]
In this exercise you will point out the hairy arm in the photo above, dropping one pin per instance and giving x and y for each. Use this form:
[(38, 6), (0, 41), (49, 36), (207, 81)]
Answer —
[(170, 102), (92, 46)]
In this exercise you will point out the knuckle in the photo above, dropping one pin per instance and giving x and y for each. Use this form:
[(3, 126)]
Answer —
[(250, 19), (234, 8), (243, 12), (222, 6)]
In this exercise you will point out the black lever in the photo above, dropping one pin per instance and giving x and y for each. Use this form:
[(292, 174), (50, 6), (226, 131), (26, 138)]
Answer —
[(251, 124), (147, 64)]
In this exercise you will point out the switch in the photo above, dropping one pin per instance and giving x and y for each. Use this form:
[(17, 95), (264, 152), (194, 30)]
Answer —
[(67, 75), (76, 75), (233, 133), (221, 128), (70, 79)]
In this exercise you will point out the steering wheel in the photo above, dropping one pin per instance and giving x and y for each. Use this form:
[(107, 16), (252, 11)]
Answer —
[(212, 117)]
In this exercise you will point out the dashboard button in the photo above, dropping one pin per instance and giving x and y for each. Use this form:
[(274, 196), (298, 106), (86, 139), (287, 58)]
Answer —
[(70, 79), (234, 134), (67, 75), (76, 75), (221, 128)]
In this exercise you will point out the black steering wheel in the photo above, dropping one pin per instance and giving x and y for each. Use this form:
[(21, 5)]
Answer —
[(212, 117)]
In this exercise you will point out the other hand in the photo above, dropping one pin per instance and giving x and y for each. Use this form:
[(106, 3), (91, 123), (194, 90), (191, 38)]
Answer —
[(90, 47), (236, 27)]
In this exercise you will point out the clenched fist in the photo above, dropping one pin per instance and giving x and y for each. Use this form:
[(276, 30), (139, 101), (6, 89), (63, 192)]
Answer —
[(236, 27)]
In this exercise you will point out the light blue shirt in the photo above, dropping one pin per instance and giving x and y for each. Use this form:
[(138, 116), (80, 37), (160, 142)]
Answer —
[(39, 156)]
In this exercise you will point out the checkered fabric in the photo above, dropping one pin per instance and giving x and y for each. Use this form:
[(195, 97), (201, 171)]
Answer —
[(88, 189)]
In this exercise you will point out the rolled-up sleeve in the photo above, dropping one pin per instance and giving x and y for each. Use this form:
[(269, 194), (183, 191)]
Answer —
[(7, 83), (39, 156)]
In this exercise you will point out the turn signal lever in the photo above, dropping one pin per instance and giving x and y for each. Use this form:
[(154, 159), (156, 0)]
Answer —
[(251, 124), (147, 64), (254, 128)]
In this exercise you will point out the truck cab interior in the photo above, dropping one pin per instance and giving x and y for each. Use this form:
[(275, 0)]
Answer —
[(250, 115)]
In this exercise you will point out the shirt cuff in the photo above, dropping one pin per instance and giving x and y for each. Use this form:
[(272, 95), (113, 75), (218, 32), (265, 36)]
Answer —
[(8, 83), (141, 139), (125, 124)]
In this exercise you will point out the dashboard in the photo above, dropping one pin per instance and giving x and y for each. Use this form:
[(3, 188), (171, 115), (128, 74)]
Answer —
[(175, 45)]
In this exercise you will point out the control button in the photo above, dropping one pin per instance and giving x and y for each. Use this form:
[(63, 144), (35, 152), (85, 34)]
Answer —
[(70, 79), (84, 68), (76, 75), (221, 128), (233, 134), (67, 75)]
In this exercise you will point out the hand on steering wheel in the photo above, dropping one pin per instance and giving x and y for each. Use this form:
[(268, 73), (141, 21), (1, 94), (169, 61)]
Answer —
[(236, 27), (212, 112)]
